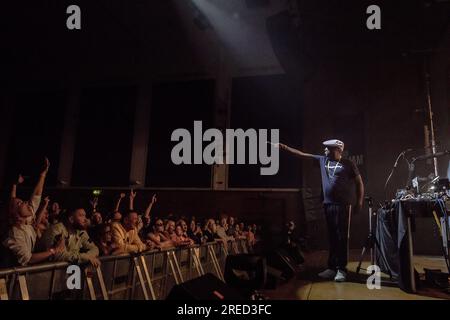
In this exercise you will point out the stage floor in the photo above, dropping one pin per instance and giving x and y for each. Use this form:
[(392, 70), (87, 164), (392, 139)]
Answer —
[(307, 286)]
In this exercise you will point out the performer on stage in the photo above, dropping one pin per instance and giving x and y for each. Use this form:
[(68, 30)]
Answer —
[(339, 177)]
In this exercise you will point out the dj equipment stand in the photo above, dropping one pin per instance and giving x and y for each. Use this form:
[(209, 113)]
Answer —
[(371, 242)]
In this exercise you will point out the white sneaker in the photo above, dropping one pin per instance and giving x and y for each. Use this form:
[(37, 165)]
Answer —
[(327, 274), (341, 276)]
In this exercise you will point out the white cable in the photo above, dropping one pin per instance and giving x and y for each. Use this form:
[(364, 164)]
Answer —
[(393, 168)]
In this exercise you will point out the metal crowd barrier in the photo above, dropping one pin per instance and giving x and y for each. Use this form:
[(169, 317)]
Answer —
[(146, 276)]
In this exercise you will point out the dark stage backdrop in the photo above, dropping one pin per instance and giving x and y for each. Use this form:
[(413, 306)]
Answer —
[(350, 129), (37, 126), (176, 105), (104, 138), (267, 102)]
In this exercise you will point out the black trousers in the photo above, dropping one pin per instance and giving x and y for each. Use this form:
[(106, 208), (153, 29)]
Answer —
[(337, 217)]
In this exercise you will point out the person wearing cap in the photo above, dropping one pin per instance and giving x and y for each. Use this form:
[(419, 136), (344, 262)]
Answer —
[(339, 178)]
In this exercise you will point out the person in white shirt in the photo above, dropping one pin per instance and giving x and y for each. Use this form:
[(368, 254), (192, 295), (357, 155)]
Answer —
[(21, 239)]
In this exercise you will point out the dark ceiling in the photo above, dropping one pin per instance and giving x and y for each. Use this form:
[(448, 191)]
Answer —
[(337, 27), (142, 37)]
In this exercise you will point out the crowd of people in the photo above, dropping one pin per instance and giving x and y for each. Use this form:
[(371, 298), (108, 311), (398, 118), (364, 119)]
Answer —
[(42, 231)]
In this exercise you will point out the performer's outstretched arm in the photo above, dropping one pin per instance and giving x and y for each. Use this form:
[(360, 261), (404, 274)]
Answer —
[(296, 152)]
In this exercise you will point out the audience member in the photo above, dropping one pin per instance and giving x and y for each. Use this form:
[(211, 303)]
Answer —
[(210, 231), (41, 224), (195, 232), (145, 221), (117, 216), (54, 212), (181, 233), (71, 237), (21, 240), (221, 230), (251, 240), (180, 239), (77, 245), (157, 235), (103, 240), (231, 226), (125, 234), (169, 229)]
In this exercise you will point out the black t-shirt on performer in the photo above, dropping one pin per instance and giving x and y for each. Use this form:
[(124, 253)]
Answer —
[(338, 180)]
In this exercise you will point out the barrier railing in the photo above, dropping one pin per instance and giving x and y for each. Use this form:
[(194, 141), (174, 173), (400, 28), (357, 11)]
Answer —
[(149, 275)]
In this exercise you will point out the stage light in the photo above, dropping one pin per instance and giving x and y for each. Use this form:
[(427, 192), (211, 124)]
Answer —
[(226, 21), (200, 20), (241, 30), (97, 192)]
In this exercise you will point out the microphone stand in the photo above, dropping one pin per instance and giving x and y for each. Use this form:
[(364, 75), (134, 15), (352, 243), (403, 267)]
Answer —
[(430, 111), (402, 154)]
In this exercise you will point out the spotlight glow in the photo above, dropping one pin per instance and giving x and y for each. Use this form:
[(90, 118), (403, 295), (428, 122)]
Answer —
[(241, 31)]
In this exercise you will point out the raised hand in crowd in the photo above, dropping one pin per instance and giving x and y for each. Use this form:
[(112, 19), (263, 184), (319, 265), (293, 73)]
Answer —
[(19, 180), (94, 204), (38, 189), (149, 208), (132, 196), (21, 238), (117, 207)]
